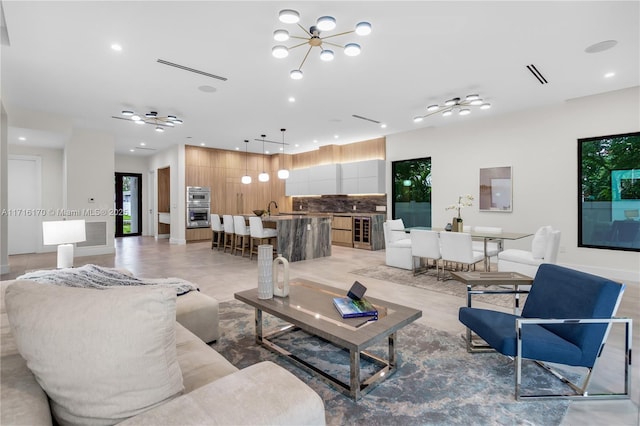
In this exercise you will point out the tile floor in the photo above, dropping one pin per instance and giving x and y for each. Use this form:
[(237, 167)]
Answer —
[(221, 275)]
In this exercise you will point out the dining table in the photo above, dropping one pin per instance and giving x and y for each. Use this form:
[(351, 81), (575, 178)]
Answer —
[(498, 237)]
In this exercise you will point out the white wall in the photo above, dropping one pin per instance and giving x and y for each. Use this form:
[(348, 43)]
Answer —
[(133, 164), (89, 163), (4, 256), (541, 147), (172, 157)]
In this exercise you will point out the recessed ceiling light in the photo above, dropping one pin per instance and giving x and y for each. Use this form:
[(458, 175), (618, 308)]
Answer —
[(609, 74), (384, 126), (116, 47), (601, 46), (315, 141), (292, 99), (237, 148), (207, 89), (336, 136), (142, 144), (297, 145), (266, 152), (132, 150), (202, 144), (22, 138)]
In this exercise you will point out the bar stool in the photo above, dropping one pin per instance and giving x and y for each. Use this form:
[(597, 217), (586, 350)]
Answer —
[(217, 237), (260, 233), (229, 237), (242, 234)]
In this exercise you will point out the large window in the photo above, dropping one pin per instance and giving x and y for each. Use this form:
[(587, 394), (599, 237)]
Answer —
[(412, 191), (609, 192)]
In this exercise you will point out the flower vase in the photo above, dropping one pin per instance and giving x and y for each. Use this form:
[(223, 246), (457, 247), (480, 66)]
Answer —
[(265, 271), (280, 288), (456, 224)]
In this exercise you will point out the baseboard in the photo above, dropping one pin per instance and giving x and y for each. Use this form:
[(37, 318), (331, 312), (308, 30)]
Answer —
[(162, 236), (93, 251), (177, 241), (613, 274)]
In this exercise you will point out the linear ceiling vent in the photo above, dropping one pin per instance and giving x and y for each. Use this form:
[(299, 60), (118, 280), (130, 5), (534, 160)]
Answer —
[(182, 67), (365, 118), (537, 74)]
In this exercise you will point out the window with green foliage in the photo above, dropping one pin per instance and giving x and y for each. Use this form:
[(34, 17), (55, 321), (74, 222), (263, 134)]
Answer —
[(412, 191), (609, 192)]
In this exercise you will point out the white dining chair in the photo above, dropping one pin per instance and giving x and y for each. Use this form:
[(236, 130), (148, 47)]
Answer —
[(260, 234), (229, 234), (493, 247), (217, 236), (242, 234), (425, 245), (457, 248), (544, 249), (397, 245)]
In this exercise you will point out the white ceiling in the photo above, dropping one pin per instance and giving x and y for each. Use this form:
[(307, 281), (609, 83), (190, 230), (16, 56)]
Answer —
[(420, 52)]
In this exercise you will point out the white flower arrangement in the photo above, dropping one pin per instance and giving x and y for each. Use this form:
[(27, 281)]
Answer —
[(463, 201)]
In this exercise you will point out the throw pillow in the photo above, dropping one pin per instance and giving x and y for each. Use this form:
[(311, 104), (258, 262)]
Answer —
[(100, 355), (539, 243)]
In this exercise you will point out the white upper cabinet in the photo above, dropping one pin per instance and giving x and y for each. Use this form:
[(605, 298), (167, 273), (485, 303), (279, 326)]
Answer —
[(363, 177)]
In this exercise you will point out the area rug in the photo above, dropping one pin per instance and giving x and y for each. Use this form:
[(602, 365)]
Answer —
[(429, 282), (437, 382)]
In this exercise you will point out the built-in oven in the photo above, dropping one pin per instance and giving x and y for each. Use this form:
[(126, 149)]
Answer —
[(198, 217), (199, 194), (198, 206)]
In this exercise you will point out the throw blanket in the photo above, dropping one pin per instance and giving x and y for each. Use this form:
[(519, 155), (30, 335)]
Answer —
[(93, 276)]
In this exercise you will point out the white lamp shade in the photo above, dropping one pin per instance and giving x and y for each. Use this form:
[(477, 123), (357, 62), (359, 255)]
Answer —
[(281, 35), (363, 28), (352, 49), (296, 74), (63, 232), (246, 179), (289, 16), (280, 52), (283, 174), (263, 177), (326, 23), (326, 55)]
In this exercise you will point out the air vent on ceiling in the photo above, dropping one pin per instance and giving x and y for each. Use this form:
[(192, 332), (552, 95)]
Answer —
[(182, 67), (537, 74), (365, 118), (145, 148)]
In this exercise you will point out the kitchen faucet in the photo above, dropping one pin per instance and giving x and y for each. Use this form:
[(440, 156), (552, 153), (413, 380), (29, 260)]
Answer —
[(269, 207)]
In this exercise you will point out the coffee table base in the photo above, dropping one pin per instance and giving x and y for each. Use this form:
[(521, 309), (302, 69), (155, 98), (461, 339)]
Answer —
[(355, 389)]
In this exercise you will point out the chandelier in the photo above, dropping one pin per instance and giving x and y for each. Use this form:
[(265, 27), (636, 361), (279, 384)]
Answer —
[(313, 39), (152, 117), (454, 106)]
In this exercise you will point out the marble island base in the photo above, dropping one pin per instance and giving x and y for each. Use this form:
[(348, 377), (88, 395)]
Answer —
[(302, 237)]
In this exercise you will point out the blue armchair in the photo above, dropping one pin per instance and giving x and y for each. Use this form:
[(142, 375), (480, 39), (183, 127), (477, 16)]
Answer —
[(565, 320)]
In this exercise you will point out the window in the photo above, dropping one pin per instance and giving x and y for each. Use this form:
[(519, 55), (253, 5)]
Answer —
[(412, 191), (609, 192)]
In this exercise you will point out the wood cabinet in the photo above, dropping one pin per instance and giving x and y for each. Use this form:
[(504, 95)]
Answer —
[(342, 231)]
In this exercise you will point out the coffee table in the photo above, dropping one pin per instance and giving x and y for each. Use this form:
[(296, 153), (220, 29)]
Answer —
[(309, 307), (483, 279)]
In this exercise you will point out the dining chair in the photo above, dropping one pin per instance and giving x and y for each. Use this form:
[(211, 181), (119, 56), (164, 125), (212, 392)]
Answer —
[(425, 245), (217, 236), (457, 248), (242, 234), (493, 247), (229, 234), (259, 233), (397, 245)]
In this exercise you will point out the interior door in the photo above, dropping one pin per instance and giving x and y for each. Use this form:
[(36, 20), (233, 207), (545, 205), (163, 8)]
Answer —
[(128, 204)]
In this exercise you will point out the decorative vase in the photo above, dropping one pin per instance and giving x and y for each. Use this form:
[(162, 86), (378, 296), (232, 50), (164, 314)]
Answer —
[(456, 224), (265, 272), (280, 289)]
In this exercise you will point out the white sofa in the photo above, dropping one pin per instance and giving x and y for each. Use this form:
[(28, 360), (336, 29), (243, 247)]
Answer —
[(397, 245), (210, 389), (544, 249)]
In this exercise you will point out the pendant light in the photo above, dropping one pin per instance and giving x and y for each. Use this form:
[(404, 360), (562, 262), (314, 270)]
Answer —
[(264, 176), (246, 179), (283, 173)]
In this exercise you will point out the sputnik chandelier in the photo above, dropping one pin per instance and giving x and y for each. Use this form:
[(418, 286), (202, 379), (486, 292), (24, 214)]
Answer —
[(152, 117), (313, 39), (454, 105)]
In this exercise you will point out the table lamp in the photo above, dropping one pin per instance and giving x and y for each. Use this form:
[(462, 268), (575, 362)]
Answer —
[(64, 233)]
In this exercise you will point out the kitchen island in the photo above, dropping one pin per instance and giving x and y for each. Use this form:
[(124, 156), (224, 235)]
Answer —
[(301, 237)]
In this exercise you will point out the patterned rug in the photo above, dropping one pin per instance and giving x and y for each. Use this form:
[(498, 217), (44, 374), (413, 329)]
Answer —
[(428, 281), (437, 382)]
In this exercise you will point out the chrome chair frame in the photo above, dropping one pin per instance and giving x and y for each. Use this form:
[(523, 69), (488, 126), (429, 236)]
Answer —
[(580, 391)]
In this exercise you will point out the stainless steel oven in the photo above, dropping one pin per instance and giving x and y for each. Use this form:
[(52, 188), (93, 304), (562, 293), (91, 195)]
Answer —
[(198, 206)]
